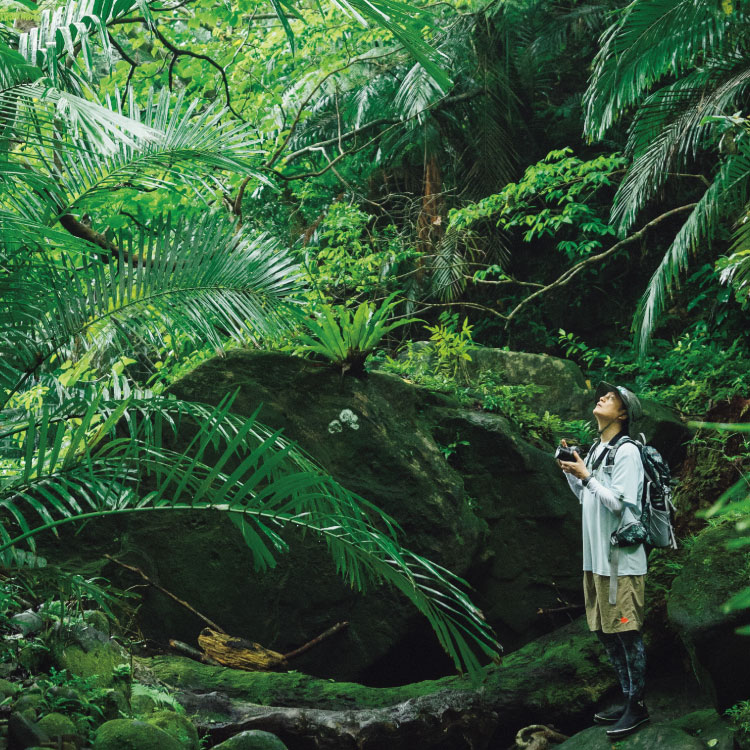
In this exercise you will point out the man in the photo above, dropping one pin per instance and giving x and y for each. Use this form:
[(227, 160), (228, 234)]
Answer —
[(610, 492)]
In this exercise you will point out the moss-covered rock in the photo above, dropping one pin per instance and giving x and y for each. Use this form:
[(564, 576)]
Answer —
[(654, 737), (87, 652), (252, 739), (708, 727), (130, 734), (56, 725), (8, 688), (178, 726), (29, 699), (486, 515), (711, 574)]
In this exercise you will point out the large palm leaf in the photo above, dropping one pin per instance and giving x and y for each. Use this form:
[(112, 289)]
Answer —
[(650, 40), (31, 109), (196, 279), (673, 124), (64, 34), (187, 149), (724, 197), (79, 470)]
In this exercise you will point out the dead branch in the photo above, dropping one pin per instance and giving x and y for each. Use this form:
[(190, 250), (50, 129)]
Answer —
[(193, 653), (137, 570), (315, 641)]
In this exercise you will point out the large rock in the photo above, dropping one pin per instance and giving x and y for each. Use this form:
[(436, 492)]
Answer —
[(498, 513), (648, 738), (711, 574), (467, 490), (564, 391), (252, 739), (696, 731)]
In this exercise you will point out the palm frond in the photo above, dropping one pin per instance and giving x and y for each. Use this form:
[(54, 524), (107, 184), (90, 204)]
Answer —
[(190, 146), (65, 32), (650, 40), (32, 110), (726, 194), (450, 265), (406, 22), (74, 475), (670, 127), (198, 278), (417, 92)]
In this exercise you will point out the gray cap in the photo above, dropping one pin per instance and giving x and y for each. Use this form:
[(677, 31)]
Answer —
[(629, 399)]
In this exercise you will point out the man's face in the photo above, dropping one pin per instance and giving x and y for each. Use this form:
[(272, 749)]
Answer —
[(610, 406)]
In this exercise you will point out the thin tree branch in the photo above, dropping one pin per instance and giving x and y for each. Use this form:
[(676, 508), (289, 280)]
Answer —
[(177, 52), (134, 569), (504, 282), (574, 270)]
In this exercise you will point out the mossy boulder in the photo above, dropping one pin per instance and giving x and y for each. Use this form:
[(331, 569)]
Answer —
[(709, 727), (648, 738), (28, 699), (99, 663), (8, 689), (57, 725), (499, 513), (130, 734), (88, 652), (178, 726), (700, 730), (252, 739), (562, 390), (711, 574)]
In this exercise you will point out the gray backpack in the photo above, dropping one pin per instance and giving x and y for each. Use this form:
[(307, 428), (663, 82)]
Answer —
[(655, 526)]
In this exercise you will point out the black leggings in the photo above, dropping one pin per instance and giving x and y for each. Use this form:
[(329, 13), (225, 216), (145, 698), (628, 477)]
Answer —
[(628, 657)]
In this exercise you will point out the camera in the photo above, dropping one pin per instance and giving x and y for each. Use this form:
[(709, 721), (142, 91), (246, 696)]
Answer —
[(565, 453)]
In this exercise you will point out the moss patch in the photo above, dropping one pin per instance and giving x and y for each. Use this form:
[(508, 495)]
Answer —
[(128, 734), (99, 663), (178, 726)]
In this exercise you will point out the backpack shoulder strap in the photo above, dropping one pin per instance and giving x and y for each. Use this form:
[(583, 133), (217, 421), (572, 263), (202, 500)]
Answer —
[(594, 446), (621, 441)]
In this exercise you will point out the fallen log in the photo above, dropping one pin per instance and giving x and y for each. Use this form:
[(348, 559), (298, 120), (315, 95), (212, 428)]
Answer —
[(239, 653), (557, 679)]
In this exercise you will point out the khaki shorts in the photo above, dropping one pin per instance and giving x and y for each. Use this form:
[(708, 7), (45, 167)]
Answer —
[(626, 614)]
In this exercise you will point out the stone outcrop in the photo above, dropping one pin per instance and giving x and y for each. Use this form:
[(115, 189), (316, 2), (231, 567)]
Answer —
[(496, 511), (711, 574), (465, 487)]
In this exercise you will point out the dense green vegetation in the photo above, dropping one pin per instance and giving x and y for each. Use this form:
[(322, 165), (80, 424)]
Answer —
[(339, 181)]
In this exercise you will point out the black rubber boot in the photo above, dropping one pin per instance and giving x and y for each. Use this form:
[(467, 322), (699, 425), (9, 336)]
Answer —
[(635, 715), (609, 715)]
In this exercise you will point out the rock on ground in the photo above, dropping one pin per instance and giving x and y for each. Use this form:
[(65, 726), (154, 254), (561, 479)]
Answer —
[(711, 574)]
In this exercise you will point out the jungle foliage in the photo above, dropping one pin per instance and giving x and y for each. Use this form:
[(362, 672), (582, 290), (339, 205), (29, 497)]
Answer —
[(340, 180)]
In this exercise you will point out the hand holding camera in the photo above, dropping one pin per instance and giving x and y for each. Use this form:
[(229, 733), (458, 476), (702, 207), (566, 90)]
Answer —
[(570, 461)]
